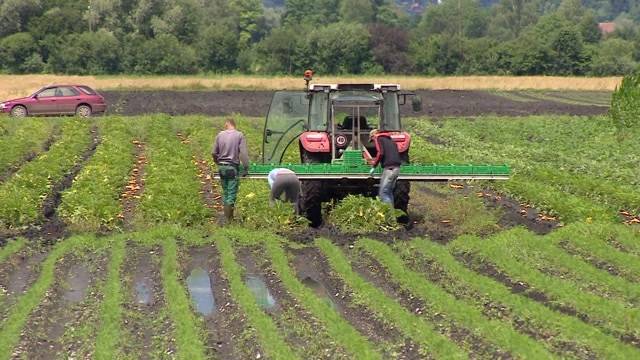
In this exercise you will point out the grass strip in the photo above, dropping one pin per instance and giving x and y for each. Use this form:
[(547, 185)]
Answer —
[(544, 256), (336, 326), (387, 309), (565, 329), (22, 196), (189, 336), (610, 315), (20, 312), (590, 241), (28, 136), (270, 339), (109, 334), (93, 202), (11, 248), (462, 313)]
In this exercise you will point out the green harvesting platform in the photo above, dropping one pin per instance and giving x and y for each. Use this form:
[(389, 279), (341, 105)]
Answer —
[(352, 166)]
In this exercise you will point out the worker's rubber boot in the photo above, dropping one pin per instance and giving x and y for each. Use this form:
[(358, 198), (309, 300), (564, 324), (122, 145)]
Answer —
[(228, 214)]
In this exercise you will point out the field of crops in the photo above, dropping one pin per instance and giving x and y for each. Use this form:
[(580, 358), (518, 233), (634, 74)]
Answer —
[(110, 248)]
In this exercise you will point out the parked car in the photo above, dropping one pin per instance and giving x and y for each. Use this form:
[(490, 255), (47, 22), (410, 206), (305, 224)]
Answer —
[(79, 100)]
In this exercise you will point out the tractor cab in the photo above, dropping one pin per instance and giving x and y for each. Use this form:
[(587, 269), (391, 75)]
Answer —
[(329, 119)]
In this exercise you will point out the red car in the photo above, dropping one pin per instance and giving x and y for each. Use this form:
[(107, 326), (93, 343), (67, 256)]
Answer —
[(77, 100)]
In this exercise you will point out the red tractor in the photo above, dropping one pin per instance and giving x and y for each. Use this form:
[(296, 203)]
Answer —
[(323, 122)]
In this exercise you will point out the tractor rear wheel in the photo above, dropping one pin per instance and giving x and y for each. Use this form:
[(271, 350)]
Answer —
[(312, 196), (401, 199)]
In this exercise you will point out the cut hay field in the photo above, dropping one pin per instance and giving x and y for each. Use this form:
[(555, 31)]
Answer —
[(23, 85), (110, 248)]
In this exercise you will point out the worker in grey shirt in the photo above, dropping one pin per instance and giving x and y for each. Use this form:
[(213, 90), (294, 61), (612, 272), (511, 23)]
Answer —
[(229, 152), (284, 182)]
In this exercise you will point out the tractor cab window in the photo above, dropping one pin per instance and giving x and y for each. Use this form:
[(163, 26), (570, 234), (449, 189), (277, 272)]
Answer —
[(319, 111), (285, 122), (391, 116)]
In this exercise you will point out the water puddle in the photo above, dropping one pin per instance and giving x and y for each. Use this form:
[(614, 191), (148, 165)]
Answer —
[(260, 292), (199, 284), (319, 290), (143, 292), (24, 273), (77, 281)]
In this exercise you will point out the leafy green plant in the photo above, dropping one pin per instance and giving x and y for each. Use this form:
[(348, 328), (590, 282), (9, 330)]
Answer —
[(359, 214), (22, 196), (26, 136), (625, 104), (255, 211), (94, 199)]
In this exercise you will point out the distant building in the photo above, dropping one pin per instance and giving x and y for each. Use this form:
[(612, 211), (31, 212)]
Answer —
[(607, 28)]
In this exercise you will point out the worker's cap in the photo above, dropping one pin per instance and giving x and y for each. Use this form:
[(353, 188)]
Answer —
[(373, 133)]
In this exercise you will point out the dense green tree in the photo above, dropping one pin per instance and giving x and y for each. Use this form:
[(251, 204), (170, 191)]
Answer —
[(318, 12), (390, 46), (455, 17), (248, 14), (15, 15), (568, 50), (218, 48), (340, 48), (360, 11), (15, 50), (613, 57), (87, 53)]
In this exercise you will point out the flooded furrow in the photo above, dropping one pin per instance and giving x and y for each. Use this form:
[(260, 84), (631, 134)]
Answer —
[(17, 274)]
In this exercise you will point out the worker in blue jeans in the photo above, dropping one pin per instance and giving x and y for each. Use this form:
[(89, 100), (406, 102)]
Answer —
[(389, 158)]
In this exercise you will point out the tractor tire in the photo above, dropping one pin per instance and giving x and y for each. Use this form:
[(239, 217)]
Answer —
[(19, 111), (311, 202), (311, 197), (401, 199)]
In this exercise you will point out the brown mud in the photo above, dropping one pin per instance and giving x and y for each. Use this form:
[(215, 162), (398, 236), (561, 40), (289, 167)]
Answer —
[(68, 304), (310, 263), (148, 330), (372, 271), (134, 188), (17, 274), (436, 103), (226, 326)]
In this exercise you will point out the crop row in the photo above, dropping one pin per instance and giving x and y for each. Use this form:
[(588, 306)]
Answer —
[(28, 136), (480, 303), (93, 202), (22, 196)]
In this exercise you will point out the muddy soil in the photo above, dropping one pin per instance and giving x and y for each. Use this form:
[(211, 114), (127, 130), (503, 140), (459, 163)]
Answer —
[(148, 330), (310, 263), (436, 103), (71, 301), (226, 326), (17, 274)]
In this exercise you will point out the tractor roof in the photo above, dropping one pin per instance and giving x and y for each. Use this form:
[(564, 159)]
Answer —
[(356, 96), (353, 87)]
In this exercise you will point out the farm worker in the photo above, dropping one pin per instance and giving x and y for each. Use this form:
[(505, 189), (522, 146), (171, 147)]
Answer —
[(389, 157), (229, 152), (284, 182)]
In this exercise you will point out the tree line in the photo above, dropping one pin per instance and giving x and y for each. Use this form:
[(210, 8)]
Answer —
[(518, 37)]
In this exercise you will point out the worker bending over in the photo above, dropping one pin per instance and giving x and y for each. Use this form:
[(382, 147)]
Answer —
[(229, 152), (284, 182), (389, 157)]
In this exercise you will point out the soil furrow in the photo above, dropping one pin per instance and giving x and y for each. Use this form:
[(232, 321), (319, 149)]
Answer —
[(27, 158), (226, 326), (371, 270), (310, 263), (494, 309), (17, 274), (520, 287), (596, 262), (53, 227), (134, 188), (210, 190), (146, 325), (67, 306)]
